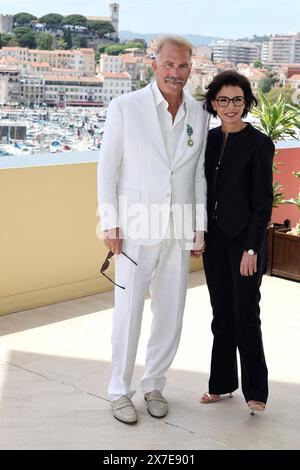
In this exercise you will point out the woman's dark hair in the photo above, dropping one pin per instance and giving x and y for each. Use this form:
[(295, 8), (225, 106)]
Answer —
[(233, 78)]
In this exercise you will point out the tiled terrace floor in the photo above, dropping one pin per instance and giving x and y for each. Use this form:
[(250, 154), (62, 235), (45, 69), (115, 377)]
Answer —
[(54, 369)]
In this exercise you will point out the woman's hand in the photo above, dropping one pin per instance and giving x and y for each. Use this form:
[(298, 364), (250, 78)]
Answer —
[(248, 265)]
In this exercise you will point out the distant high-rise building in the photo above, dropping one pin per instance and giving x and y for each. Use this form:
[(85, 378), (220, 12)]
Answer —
[(265, 52), (235, 51), (284, 49)]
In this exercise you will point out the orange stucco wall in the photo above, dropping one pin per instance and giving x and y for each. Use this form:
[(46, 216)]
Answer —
[(288, 160)]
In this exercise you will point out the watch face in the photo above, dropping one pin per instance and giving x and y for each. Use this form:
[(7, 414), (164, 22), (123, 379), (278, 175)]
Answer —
[(251, 252)]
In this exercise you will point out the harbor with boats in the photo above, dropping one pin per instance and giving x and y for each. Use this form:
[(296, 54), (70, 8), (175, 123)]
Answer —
[(26, 131)]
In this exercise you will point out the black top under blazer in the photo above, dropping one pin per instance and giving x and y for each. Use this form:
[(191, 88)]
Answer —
[(243, 185)]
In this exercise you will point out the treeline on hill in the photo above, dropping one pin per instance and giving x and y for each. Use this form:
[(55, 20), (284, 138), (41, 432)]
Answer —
[(62, 32), (116, 49)]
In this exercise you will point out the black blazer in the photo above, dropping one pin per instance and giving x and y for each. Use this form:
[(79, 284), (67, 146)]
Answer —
[(243, 185)]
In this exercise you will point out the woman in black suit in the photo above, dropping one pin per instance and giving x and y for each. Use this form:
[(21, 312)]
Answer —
[(238, 169)]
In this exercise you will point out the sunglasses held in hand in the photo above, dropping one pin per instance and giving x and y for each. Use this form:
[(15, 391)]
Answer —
[(105, 266)]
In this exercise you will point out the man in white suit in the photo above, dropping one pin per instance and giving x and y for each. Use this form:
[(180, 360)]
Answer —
[(152, 194)]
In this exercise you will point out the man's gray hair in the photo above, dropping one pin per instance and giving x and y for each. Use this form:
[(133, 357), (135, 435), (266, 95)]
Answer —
[(175, 41)]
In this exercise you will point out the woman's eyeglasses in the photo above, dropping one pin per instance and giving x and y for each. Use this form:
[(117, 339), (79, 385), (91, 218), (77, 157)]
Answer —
[(105, 266), (224, 101)]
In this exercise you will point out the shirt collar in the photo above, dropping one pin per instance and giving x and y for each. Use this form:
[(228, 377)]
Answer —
[(158, 97)]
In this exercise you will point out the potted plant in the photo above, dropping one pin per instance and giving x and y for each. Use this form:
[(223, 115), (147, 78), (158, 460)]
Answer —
[(295, 230), (285, 248), (280, 121)]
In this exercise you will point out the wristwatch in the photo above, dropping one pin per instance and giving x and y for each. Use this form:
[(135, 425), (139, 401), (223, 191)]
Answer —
[(251, 252)]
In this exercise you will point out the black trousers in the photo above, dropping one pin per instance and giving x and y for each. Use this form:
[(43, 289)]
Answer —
[(236, 318)]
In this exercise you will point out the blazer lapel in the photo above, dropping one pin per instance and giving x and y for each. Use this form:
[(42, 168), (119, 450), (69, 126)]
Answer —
[(146, 104)]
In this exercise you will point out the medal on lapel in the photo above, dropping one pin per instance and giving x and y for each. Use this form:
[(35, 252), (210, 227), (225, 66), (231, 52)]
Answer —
[(189, 131)]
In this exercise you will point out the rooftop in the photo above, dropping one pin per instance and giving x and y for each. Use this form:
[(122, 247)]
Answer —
[(58, 78), (115, 75)]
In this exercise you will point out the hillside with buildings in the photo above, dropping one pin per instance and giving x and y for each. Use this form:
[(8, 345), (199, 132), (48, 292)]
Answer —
[(85, 77), (63, 32)]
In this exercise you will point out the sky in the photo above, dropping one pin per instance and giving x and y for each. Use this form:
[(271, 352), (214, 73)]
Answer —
[(223, 18)]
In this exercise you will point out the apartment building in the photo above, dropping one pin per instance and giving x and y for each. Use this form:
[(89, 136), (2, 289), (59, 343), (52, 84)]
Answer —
[(31, 91), (3, 89), (115, 84), (203, 51), (254, 75), (10, 79), (201, 64), (194, 82), (294, 81), (79, 59), (70, 91), (235, 51), (284, 49), (291, 69), (135, 51), (111, 63), (19, 53)]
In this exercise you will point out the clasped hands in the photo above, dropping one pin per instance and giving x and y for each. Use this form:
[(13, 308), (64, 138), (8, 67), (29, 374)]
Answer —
[(248, 266), (199, 245), (113, 241)]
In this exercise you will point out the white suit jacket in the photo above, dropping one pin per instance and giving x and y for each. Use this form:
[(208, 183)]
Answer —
[(137, 184)]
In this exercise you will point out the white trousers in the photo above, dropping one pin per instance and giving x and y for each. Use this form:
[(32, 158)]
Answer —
[(164, 269)]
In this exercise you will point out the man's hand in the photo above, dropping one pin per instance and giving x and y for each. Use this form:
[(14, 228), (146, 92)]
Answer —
[(248, 264), (199, 245), (198, 253), (112, 240)]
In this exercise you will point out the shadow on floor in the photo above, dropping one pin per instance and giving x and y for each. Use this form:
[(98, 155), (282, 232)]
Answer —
[(55, 402)]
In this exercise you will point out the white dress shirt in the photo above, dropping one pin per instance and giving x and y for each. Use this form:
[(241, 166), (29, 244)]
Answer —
[(171, 131)]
